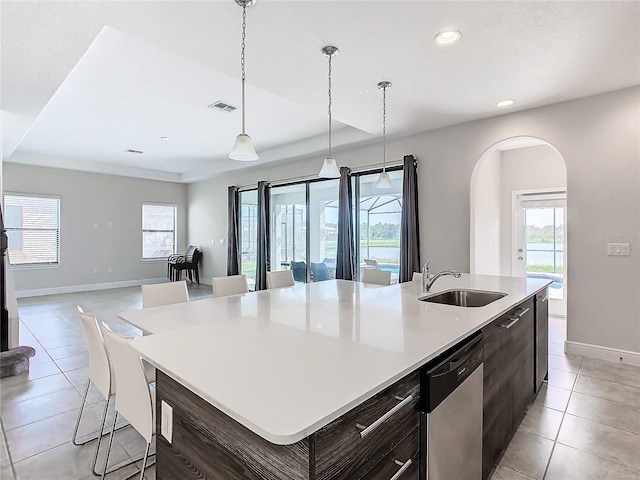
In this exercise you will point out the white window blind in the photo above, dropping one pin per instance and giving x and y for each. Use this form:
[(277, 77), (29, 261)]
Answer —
[(158, 231), (33, 228)]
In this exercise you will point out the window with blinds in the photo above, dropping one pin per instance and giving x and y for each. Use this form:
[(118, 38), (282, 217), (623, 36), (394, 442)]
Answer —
[(33, 227), (158, 231)]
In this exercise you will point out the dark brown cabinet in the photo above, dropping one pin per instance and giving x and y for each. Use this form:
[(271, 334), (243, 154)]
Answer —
[(508, 379), (381, 436)]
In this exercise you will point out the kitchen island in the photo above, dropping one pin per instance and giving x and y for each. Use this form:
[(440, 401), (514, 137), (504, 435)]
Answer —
[(272, 384)]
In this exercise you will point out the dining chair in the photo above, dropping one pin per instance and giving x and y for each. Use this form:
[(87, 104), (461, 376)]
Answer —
[(188, 261), (380, 277), (230, 285), (282, 278), (319, 272), (101, 375), (372, 263), (160, 294), (416, 276), (136, 398)]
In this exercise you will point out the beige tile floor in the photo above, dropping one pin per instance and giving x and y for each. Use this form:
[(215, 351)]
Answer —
[(584, 424)]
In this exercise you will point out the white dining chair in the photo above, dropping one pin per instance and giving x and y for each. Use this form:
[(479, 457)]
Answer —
[(100, 375), (160, 294), (380, 277), (283, 278), (136, 398), (372, 263), (230, 285), (416, 276)]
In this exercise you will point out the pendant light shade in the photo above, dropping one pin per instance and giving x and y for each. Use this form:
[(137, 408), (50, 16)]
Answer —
[(329, 169), (384, 182), (329, 166), (243, 149)]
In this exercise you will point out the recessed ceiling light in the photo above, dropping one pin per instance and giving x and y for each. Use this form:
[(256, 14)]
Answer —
[(448, 37), (505, 103), (164, 138)]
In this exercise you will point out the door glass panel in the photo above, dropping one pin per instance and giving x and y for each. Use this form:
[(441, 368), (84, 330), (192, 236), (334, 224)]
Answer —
[(323, 229), (380, 212), (289, 229), (248, 235), (545, 247)]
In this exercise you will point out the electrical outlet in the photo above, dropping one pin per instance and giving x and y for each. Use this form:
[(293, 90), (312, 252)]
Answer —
[(166, 422), (110, 269), (222, 241), (95, 269)]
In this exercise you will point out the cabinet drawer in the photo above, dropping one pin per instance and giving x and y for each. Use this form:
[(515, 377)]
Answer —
[(395, 462), (345, 451)]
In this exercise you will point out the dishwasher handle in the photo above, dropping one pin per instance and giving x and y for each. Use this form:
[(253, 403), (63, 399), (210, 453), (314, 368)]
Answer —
[(441, 380)]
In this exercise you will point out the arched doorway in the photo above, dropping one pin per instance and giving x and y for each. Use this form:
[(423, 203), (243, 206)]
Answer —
[(518, 214)]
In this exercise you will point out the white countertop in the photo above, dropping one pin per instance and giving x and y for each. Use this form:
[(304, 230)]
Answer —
[(286, 362)]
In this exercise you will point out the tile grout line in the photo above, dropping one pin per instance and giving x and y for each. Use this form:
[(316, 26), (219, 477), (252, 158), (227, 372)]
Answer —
[(6, 446)]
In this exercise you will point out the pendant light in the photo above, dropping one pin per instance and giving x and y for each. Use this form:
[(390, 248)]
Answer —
[(383, 180), (329, 167), (243, 149)]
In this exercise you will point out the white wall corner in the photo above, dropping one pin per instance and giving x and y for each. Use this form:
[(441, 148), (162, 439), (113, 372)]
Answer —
[(602, 353)]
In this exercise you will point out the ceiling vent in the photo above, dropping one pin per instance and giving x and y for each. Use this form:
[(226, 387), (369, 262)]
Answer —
[(133, 151), (223, 107)]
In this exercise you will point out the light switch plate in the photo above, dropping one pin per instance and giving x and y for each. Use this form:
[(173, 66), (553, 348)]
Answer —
[(618, 249), (166, 422)]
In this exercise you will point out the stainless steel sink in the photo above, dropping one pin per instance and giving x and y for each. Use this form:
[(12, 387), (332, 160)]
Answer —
[(463, 298)]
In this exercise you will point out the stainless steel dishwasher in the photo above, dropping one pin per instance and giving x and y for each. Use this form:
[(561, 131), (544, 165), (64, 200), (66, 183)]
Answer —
[(453, 406)]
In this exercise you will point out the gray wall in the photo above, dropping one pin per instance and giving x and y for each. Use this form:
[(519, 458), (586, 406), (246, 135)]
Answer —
[(525, 169), (599, 139), (486, 216), (88, 198)]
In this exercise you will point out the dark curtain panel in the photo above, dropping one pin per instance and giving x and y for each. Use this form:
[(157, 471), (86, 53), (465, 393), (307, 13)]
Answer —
[(4, 310), (409, 227), (264, 235), (346, 250), (233, 252)]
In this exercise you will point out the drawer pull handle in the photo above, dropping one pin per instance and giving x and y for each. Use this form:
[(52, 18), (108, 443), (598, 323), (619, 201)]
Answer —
[(367, 430), (521, 313), (403, 468), (511, 323)]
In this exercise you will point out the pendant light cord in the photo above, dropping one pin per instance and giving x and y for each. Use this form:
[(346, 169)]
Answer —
[(244, 35), (330, 106), (384, 129)]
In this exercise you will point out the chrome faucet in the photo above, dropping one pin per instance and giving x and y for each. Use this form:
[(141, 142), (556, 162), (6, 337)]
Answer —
[(428, 278)]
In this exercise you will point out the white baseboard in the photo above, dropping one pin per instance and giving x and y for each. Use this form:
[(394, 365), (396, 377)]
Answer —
[(603, 353), (38, 292)]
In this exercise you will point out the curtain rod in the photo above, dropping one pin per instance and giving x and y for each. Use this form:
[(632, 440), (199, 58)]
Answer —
[(285, 181)]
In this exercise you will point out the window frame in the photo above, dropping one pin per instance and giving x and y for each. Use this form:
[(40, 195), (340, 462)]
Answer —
[(175, 230), (37, 265)]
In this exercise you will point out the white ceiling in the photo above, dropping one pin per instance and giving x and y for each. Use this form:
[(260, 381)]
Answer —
[(84, 81)]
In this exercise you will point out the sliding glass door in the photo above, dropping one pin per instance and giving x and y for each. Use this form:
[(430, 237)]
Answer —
[(378, 229), (323, 229), (248, 232), (304, 227), (289, 229)]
